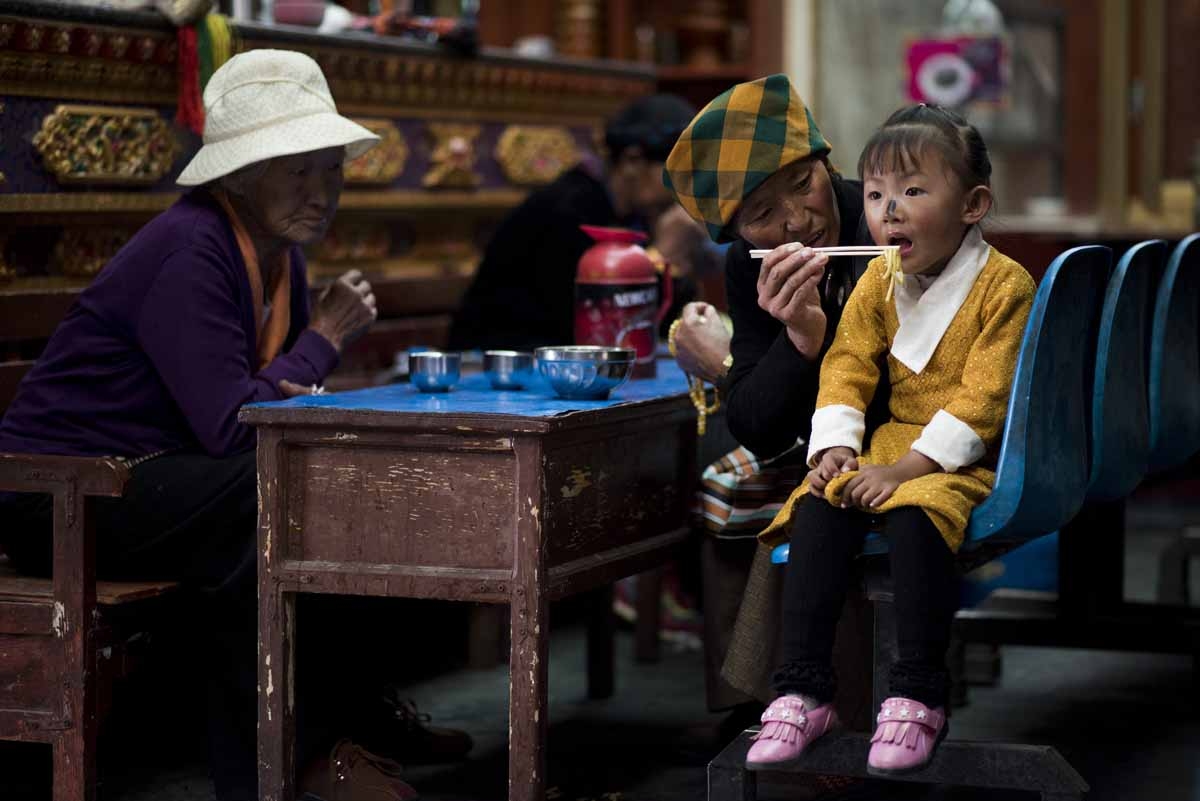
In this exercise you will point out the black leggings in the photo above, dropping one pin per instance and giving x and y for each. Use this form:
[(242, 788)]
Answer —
[(825, 541)]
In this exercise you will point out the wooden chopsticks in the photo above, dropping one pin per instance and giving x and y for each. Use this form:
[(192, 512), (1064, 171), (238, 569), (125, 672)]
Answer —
[(848, 250)]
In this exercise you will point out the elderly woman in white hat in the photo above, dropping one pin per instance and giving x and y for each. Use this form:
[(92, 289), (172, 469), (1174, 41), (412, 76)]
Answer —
[(204, 310)]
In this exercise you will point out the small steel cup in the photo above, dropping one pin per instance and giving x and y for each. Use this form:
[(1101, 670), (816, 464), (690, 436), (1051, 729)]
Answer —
[(433, 371), (508, 369)]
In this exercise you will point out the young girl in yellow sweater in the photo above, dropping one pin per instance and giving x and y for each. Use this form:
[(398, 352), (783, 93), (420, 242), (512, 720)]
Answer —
[(948, 327)]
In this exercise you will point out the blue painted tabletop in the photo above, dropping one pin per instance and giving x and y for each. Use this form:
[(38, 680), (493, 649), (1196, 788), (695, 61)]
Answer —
[(474, 395)]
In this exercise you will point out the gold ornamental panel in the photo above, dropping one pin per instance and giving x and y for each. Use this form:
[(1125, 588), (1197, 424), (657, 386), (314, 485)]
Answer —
[(535, 154), (383, 163), (453, 156), (106, 145)]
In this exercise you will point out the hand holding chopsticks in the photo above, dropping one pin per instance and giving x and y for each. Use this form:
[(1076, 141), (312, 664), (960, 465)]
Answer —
[(891, 254)]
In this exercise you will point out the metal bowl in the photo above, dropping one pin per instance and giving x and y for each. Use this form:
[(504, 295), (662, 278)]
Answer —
[(433, 371), (585, 372), (508, 369)]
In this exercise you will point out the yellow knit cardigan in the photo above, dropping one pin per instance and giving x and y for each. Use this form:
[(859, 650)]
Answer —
[(968, 376)]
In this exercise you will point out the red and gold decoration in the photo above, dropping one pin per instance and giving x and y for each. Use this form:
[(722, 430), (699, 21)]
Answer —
[(535, 154), (106, 145), (203, 48), (142, 66), (383, 163), (453, 156), (45, 58)]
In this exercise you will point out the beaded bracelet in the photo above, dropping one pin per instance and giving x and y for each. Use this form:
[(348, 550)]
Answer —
[(695, 386)]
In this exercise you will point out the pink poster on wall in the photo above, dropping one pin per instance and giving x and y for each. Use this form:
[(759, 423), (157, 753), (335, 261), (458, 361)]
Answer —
[(956, 70)]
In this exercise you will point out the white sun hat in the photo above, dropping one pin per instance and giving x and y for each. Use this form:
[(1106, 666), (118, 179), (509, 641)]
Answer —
[(267, 103)]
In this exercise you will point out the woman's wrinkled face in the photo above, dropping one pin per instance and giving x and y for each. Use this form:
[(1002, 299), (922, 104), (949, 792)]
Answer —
[(297, 196), (796, 204)]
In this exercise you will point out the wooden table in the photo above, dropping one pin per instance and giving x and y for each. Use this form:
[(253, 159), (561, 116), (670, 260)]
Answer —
[(513, 498)]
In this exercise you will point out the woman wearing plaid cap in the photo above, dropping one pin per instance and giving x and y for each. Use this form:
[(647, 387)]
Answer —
[(754, 169)]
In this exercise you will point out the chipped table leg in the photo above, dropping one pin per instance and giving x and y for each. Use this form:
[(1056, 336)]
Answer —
[(528, 661)]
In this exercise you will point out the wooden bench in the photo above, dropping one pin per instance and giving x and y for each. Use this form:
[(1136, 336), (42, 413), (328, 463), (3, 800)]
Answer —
[(64, 640)]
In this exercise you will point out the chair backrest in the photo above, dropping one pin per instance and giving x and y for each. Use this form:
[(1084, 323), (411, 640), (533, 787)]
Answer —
[(1174, 376), (1120, 428), (1044, 468)]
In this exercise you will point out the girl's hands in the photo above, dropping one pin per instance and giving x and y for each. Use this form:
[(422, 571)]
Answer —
[(833, 462), (873, 485)]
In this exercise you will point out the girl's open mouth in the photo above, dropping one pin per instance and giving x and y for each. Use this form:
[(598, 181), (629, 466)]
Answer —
[(905, 244)]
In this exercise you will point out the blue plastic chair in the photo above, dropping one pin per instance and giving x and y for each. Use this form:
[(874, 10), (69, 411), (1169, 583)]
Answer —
[(1044, 469), (1119, 418), (1174, 376)]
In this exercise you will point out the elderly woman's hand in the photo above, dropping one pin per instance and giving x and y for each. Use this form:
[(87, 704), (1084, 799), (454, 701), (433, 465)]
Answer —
[(702, 342), (345, 310), (290, 389), (788, 290)]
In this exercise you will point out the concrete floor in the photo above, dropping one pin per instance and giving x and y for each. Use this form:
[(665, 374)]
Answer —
[(1130, 723)]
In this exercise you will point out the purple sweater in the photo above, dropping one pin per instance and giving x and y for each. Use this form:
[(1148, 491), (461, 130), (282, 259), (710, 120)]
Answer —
[(159, 351)]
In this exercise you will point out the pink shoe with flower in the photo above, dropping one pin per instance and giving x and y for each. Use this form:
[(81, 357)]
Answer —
[(907, 736), (788, 728)]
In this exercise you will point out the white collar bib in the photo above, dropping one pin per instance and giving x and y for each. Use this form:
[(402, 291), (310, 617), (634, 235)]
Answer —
[(926, 314)]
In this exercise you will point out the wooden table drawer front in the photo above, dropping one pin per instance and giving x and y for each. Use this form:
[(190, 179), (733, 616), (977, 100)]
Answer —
[(603, 494), (31, 674), (368, 505)]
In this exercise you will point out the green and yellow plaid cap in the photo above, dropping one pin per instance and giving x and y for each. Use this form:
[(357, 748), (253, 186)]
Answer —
[(734, 144)]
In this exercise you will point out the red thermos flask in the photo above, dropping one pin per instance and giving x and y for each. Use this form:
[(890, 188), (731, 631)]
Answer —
[(616, 295)]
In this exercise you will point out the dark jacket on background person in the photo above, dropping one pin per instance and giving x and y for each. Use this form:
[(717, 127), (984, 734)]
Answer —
[(523, 295)]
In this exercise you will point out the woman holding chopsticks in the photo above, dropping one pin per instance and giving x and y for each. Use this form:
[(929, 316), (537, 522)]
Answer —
[(754, 169)]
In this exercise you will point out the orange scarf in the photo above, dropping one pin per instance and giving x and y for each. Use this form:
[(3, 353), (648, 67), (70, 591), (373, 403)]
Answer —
[(270, 335)]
